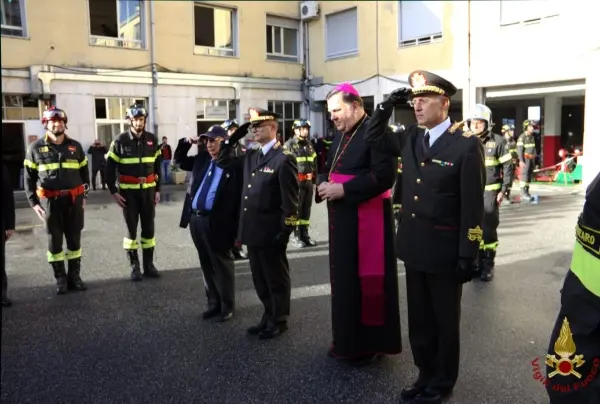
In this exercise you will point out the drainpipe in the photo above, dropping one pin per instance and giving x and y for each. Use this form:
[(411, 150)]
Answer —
[(154, 97), (469, 56), (306, 61), (379, 97)]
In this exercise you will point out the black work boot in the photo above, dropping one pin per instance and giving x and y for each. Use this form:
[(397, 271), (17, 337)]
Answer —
[(296, 241), (60, 274), (134, 262), (305, 238), (487, 273), (525, 198), (74, 281), (238, 253), (480, 256), (149, 269)]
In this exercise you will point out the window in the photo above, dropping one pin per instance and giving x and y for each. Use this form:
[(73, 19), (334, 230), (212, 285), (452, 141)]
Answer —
[(13, 18), (21, 108), (527, 11), (290, 111), (213, 112), (341, 34), (117, 23), (214, 30), (419, 22), (110, 116), (282, 39)]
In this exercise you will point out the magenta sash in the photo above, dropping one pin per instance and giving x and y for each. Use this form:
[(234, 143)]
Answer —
[(371, 255)]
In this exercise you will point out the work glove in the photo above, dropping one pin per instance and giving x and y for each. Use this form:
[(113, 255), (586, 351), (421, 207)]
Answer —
[(397, 97), (466, 269)]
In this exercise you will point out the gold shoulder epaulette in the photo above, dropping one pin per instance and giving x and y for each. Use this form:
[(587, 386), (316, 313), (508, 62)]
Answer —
[(457, 126)]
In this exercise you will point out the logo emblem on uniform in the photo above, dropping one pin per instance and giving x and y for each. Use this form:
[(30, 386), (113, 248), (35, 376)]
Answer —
[(564, 346), (72, 149), (475, 234), (44, 149), (150, 142)]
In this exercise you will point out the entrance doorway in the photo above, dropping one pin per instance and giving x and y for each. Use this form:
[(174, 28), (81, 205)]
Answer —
[(13, 150)]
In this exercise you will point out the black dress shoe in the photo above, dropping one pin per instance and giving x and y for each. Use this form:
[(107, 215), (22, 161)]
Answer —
[(273, 331), (256, 329), (410, 392), (6, 302), (364, 360), (210, 313), (225, 317), (239, 255), (431, 397)]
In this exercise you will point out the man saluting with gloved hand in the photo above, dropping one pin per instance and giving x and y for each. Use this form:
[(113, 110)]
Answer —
[(443, 178), (269, 212)]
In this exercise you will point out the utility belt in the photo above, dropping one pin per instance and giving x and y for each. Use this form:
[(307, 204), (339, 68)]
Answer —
[(196, 212), (529, 156), (130, 179), (55, 193), (305, 177)]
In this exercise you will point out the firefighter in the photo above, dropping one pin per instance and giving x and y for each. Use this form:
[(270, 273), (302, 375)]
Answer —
[(498, 164), (231, 126), (301, 147), (56, 170), (136, 155), (509, 132), (527, 154), (397, 197), (575, 339)]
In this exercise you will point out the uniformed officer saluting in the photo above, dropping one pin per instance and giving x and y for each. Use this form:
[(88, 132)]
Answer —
[(268, 217), (301, 147), (136, 155), (498, 166), (443, 178), (57, 166)]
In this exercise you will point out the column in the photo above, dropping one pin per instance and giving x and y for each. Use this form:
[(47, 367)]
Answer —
[(552, 113), (591, 131)]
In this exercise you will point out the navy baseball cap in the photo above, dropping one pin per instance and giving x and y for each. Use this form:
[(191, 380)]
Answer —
[(215, 131)]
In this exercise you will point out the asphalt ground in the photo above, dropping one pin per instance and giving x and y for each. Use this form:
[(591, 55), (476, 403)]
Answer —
[(124, 342)]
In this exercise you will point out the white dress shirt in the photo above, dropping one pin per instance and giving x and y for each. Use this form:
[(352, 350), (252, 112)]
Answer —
[(437, 131)]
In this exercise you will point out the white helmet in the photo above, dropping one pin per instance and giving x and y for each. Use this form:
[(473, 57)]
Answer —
[(483, 113)]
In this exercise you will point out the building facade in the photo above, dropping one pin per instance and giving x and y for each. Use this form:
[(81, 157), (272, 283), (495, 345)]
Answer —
[(194, 64)]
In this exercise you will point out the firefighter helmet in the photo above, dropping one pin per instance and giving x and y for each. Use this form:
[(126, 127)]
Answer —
[(301, 123), (230, 124), (528, 122), (54, 114), (136, 111), (483, 113)]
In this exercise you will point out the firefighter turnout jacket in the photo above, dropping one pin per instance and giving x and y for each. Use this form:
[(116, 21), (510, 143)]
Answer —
[(526, 147), (137, 161), (305, 157), (55, 169), (498, 162)]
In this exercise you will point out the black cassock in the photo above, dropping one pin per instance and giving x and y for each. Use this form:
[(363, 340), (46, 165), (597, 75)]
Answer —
[(355, 331)]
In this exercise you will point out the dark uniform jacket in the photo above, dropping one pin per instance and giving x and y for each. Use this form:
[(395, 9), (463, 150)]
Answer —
[(305, 155), (136, 157), (54, 167), (397, 197), (8, 202), (498, 162), (225, 213), (442, 194), (98, 154), (512, 148), (269, 204), (526, 147)]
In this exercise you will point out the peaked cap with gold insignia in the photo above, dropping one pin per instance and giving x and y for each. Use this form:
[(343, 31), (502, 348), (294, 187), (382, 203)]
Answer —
[(260, 115), (424, 83)]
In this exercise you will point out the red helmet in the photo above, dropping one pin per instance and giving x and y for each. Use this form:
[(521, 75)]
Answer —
[(562, 153), (54, 114)]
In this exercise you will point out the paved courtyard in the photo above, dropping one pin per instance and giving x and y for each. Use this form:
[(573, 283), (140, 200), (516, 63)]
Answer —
[(124, 342)]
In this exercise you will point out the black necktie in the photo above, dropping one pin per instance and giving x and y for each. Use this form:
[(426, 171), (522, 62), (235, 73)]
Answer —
[(426, 142), (260, 156)]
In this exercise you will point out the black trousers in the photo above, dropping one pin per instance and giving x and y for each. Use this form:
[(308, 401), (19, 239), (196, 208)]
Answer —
[(491, 221), (218, 268), (139, 208), (434, 327), (526, 172), (95, 171), (305, 199), (64, 219), (271, 277), (4, 277), (581, 308)]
